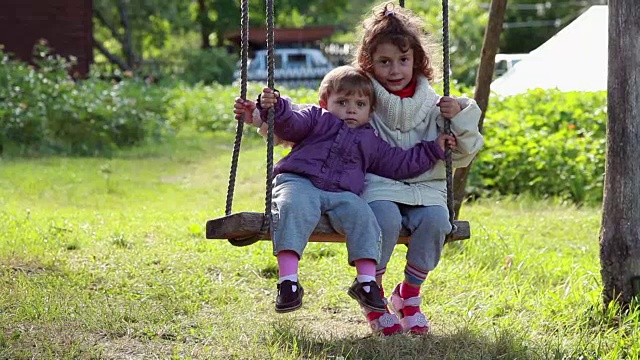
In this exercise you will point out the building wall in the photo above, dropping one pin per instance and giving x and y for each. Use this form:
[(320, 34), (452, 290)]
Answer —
[(65, 24)]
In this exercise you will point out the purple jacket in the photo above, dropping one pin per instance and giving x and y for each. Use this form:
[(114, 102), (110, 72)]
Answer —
[(336, 157)]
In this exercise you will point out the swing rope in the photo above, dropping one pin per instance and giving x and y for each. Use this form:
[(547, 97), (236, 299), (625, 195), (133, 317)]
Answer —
[(447, 124), (266, 220), (244, 38)]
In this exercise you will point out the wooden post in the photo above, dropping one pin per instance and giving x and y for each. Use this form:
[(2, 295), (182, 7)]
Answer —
[(620, 231), (483, 83)]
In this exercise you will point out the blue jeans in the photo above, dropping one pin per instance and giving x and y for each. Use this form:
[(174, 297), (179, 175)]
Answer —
[(429, 225), (297, 206)]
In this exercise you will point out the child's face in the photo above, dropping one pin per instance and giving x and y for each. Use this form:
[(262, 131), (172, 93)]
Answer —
[(354, 109), (392, 68)]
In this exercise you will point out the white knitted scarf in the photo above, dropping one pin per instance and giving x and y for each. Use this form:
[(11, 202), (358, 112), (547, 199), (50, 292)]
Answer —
[(404, 114)]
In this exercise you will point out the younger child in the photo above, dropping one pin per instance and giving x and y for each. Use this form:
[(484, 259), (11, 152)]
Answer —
[(324, 174)]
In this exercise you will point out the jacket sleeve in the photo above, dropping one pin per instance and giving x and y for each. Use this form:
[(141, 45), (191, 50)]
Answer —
[(465, 128), (396, 163), (290, 125)]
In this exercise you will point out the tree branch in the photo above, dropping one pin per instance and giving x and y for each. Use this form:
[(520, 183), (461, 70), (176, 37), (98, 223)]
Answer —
[(111, 57), (103, 21)]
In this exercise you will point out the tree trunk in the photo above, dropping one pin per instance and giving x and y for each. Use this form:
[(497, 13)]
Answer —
[(483, 83), (620, 231), (205, 28)]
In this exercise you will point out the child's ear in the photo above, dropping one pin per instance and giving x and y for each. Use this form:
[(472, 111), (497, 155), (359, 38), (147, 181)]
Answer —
[(323, 104)]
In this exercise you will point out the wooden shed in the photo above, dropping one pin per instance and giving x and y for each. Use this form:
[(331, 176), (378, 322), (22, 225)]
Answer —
[(65, 24), (286, 37)]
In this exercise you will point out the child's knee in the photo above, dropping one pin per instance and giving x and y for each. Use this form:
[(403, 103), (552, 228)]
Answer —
[(389, 220)]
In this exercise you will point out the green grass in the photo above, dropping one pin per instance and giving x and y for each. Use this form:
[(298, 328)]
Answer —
[(106, 259)]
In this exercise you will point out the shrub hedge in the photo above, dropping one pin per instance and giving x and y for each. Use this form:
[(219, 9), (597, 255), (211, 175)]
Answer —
[(544, 143), (43, 110)]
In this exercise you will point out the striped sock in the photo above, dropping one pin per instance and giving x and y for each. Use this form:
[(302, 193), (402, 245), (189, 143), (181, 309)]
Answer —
[(410, 287), (379, 273), (414, 275), (408, 291)]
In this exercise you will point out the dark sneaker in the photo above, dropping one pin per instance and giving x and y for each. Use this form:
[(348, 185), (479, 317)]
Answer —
[(288, 300), (371, 300)]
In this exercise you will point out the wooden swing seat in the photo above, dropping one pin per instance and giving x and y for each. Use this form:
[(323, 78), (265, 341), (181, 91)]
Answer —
[(247, 224)]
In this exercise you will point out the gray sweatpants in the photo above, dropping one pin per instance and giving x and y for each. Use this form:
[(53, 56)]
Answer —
[(297, 206), (429, 225)]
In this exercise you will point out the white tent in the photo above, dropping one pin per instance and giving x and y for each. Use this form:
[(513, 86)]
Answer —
[(575, 59)]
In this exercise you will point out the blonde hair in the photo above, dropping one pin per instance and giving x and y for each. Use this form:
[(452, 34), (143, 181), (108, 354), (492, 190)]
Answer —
[(348, 80), (390, 24)]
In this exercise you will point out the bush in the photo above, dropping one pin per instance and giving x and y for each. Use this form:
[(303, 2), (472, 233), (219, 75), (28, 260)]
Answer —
[(44, 110), (99, 117), (544, 143), (210, 107)]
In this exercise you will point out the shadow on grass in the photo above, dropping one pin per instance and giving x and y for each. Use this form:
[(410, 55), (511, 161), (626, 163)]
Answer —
[(463, 343)]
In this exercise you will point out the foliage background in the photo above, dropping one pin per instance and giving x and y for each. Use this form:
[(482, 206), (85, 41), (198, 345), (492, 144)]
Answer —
[(542, 143), (546, 144), (164, 35)]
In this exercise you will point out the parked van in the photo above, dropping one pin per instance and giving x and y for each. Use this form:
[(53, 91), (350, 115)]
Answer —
[(295, 67)]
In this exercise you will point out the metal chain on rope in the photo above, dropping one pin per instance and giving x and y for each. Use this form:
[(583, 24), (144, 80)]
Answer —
[(447, 124)]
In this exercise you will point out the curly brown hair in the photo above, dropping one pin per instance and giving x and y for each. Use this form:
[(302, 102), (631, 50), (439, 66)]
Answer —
[(389, 24)]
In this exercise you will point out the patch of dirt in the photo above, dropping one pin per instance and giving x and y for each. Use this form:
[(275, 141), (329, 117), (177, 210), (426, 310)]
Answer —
[(25, 266)]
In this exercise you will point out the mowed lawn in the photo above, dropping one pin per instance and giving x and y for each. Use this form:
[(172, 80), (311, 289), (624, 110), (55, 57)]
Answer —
[(106, 258)]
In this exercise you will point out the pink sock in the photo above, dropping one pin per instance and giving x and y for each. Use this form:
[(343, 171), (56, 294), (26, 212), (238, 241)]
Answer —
[(287, 263), (366, 267)]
